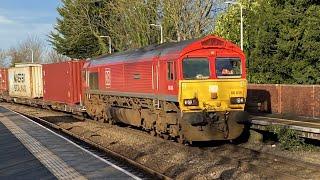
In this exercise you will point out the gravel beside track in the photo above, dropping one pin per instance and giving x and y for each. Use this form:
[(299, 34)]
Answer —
[(219, 160)]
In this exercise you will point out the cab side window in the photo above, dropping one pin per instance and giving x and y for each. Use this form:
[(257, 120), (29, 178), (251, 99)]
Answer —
[(93, 80), (170, 70)]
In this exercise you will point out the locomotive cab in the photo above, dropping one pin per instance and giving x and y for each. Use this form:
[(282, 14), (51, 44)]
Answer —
[(212, 92)]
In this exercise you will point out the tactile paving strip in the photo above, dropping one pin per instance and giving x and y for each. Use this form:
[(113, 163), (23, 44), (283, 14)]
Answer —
[(54, 164)]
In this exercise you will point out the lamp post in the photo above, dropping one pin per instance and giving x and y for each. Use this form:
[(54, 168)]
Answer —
[(31, 55), (241, 21), (161, 31), (109, 39)]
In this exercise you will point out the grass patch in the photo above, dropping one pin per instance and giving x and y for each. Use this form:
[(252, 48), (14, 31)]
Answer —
[(289, 139)]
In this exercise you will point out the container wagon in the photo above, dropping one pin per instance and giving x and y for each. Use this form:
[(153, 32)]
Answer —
[(25, 81), (62, 82), (3, 80)]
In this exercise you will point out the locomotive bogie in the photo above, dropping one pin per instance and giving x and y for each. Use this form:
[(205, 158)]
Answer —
[(139, 112)]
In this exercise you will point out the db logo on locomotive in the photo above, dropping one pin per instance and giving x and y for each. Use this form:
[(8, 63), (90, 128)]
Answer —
[(108, 77)]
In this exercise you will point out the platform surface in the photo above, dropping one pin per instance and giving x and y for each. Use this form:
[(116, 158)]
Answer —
[(306, 127), (31, 151)]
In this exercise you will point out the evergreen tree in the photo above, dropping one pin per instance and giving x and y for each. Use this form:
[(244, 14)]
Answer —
[(82, 22), (78, 30), (281, 39)]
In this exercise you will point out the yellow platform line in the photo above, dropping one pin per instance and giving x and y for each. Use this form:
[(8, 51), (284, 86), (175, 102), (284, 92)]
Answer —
[(53, 163)]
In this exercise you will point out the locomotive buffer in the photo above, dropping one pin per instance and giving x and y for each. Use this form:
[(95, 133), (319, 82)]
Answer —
[(31, 151)]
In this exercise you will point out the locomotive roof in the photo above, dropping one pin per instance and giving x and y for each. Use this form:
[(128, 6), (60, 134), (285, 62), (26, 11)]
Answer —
[(172, 49), (143, 53)]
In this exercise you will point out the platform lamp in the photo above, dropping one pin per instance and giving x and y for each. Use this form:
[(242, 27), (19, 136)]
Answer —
[(241, 21), (161, 30), (31, 54), (109, 39)]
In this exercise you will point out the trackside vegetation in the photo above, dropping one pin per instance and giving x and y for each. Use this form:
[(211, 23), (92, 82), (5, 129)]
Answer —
[(83, 23), (289, 139), (281, 39)]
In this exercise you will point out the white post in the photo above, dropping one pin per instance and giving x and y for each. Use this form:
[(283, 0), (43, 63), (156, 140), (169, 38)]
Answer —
[(241, 27), (161, 34), (161, 31), (241, 21), (31, 55), (109, 41)]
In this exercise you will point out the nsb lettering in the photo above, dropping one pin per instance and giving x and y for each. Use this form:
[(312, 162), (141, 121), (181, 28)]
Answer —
[(19, 78), (20, 88)]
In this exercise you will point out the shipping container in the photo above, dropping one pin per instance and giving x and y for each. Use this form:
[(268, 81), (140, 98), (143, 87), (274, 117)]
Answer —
[(62, 82), (25, 81), (3, 80)]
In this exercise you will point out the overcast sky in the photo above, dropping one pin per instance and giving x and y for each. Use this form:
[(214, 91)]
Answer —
[(22, 18)]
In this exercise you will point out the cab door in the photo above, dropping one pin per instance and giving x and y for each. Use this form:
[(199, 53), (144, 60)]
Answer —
[(155, 75), (155, 81), (170, 77)]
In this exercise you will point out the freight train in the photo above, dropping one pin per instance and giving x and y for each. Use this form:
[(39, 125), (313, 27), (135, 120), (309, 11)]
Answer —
[(193, 90)]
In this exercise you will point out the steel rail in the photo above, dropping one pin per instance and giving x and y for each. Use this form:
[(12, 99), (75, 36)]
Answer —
[(115, 155)]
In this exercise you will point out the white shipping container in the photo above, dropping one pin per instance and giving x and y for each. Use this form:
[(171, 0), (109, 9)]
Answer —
[(25, 80)]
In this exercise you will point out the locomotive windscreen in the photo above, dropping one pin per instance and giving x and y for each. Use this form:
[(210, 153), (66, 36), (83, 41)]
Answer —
[(228, 67), (196, 68)]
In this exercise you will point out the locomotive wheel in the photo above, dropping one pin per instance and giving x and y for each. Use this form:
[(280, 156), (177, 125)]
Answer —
[(159, 135), (102, 120), (111, 122), (153, 132), (165, 136), (181, 139)]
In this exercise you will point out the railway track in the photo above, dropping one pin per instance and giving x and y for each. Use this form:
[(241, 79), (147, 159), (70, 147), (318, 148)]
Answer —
[(103, 152), (266, 165), (269, 165)]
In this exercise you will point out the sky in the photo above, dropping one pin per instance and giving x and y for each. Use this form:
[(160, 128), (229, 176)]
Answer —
[(22, 18)]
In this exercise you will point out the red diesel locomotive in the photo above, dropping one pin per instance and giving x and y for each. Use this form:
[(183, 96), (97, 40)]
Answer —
[(192, 90)]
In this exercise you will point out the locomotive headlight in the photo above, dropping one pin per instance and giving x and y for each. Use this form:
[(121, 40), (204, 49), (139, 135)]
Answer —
[(191, 102), (237, 100)]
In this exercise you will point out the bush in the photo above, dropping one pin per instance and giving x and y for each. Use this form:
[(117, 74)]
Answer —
[(289, 139)]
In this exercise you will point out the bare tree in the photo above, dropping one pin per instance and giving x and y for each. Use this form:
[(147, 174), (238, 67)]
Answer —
[(187, 19), (129, 23), (83, 24), (32, 47), (52, 56), (3, 58)]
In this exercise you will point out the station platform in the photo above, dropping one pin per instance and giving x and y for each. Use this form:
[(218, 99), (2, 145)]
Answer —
[(30, 151), (305, 126)]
